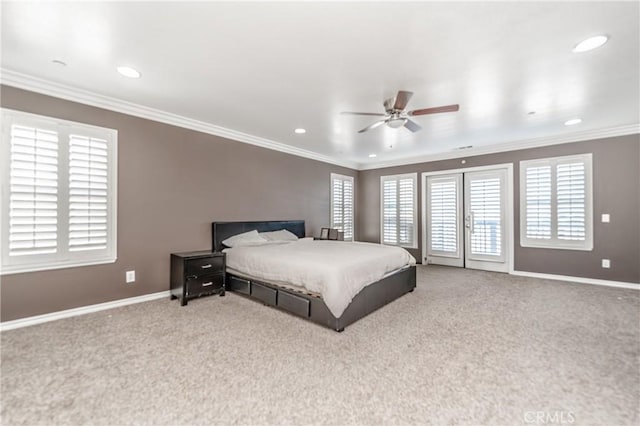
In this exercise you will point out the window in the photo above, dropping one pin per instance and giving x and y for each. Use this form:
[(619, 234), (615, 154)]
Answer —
[(342, 204), (399, 210), (556, 203), (58, 193)]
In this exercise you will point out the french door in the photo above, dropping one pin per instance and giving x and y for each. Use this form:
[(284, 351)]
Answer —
[(466, 219)]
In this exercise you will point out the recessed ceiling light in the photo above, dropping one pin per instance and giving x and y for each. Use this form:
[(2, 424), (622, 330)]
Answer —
[(300, 131), (573, 122), (372, 155), (59, 62), (129, 72), (590, 43)]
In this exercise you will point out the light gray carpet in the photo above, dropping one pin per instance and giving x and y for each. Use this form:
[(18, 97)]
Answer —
[(466, 347)]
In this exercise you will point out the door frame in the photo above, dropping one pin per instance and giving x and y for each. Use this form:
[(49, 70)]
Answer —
[(509, 211)]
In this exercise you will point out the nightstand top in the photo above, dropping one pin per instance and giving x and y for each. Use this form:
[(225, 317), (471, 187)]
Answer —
[(197, 254)]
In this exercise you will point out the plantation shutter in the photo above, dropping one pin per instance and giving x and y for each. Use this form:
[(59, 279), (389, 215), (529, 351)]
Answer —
[(342, 209), (406, 213), (538, 202), (390, 212), (58, 193), (88, 190), (486, 216), (443, 205), (33, 209), (556, 204), (571, 201), (337, 197), (348, 209), (399, 210)]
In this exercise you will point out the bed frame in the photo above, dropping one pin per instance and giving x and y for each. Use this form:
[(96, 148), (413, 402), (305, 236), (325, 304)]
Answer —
[(306, 305)]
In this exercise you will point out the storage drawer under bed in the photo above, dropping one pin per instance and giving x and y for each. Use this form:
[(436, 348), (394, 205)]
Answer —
[(276, 297), (263, 293), (294, 304), (238, 284)]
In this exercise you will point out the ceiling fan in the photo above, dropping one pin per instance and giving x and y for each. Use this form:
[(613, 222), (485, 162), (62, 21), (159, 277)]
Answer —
[(396, 116)]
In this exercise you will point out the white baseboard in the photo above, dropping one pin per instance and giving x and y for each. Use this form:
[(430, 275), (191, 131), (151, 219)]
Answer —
[(593, 281), (53, 316), (39, 319)]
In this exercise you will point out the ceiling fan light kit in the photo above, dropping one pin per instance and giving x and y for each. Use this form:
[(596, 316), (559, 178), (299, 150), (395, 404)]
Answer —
[(396, 116), (396, 122)]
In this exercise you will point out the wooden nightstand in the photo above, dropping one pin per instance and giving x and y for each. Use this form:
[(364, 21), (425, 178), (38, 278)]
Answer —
[(197, 273)]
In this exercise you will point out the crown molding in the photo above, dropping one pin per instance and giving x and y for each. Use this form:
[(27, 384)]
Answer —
[(609, 132), (46, 87), (62, 91)]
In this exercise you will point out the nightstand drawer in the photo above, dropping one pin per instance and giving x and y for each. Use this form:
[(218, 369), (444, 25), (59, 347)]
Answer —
[(204, 265), (204, 284)]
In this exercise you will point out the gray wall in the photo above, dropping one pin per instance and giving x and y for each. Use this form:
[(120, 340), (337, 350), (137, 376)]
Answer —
[(616, 190), (173, 183)]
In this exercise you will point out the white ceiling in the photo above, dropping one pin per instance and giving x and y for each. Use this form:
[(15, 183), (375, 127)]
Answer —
[(264, 69)]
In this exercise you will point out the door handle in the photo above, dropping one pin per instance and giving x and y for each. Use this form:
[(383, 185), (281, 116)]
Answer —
[(469, 222)]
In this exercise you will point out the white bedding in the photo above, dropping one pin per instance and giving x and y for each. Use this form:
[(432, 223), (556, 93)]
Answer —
[(336, 270)]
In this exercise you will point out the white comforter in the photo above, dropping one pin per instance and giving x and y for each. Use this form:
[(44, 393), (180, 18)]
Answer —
[(336, 270)]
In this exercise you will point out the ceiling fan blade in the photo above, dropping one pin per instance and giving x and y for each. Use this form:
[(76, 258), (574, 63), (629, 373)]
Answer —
[(402, 99), (375, 114), (412, 125), (435, 110), (372, 126)]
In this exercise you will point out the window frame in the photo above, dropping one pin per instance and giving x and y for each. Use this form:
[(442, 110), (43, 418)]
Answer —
[(398, 177), (554, 242), (63, 258), (335, 176)]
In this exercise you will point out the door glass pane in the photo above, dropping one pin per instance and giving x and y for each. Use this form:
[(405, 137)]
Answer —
[(444, 226), (485, 211)]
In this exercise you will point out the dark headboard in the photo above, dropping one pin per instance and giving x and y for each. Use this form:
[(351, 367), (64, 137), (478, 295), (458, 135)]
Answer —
[(220, 231)]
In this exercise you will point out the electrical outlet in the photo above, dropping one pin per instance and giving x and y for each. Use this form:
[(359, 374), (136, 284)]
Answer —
[(606, 263), (606, 218), (131, 276)]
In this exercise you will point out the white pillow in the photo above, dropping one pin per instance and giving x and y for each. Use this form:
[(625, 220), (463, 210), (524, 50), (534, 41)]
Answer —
[(251, 238), (281, 235)]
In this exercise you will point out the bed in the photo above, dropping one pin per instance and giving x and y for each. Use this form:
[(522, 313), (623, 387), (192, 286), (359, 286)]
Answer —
[(292, 297)]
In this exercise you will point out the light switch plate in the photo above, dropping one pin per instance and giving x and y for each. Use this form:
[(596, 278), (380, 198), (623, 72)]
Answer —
[(605, 218)]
